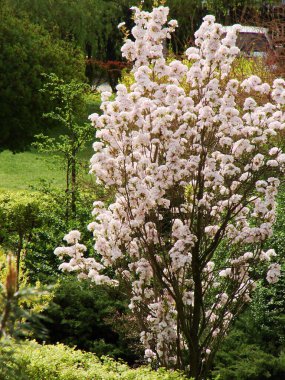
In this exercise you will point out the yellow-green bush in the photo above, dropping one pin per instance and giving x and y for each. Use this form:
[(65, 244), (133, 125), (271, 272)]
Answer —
[(32, 361), (242, 68)]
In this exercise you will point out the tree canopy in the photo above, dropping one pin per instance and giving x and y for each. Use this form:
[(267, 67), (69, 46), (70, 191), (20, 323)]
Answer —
[(27, 51), (90, 24), (195, 157)]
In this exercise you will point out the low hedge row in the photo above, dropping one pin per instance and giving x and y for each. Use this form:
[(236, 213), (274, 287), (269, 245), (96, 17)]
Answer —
[(32, 361)]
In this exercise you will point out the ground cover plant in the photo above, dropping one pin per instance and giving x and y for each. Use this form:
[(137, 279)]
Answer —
[(31, 361), (194, 156)]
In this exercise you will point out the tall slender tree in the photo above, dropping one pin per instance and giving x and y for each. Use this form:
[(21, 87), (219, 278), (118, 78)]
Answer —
[(68, 105), (195, 157)]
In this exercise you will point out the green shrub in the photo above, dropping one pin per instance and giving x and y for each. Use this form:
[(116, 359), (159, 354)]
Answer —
[(32, 225), (249, 362), (32, 361), (254, 349), (94, 318)]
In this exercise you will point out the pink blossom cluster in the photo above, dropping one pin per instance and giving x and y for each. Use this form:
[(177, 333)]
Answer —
[(85, 267), (193, 155)]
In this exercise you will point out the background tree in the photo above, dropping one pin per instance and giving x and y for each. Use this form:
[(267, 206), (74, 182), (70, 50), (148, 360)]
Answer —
[(241, 11), (27, 51), (90, 24), (19, 218), (189, 14), (68, 101)]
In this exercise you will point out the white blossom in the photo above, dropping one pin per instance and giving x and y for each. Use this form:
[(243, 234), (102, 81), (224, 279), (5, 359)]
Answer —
[(273, 273), (192, 155)]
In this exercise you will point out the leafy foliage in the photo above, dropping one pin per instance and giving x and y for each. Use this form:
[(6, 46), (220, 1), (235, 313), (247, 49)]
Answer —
[(241, 358), (28, 50), (255, 347), (16, 314), (110, 329), (36, 362), (90, 24), (68, 101), (31, 224)]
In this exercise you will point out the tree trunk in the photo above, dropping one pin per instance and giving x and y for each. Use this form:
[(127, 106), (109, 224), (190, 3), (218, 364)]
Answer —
[(67, 192), (19, 249), (73, 183), (194, 349), (195, 359), (5, 317)]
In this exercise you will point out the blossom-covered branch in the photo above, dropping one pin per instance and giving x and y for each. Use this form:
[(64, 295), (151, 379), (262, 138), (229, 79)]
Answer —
[(194, 157)]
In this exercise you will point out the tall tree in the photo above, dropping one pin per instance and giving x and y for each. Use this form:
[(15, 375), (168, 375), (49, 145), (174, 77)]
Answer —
[(27, 51), (68, 107), (237, 11), (90, 24), (194, 156)]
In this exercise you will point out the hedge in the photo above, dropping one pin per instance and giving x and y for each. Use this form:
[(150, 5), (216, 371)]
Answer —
[(32, 361)]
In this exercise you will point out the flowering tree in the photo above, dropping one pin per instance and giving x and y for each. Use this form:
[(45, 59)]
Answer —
[(194, 158)]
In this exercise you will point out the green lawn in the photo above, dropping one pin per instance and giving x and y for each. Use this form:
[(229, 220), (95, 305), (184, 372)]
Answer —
[(20, 171), (23, 171)]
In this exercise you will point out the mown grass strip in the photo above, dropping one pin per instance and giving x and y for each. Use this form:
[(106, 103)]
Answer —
[(21, 171)]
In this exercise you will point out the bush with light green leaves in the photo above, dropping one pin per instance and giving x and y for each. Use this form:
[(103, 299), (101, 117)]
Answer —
[(32, 361)]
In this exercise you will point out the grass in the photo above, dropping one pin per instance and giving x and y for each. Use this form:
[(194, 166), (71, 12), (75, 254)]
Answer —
[(25, 171), (21, 171)]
